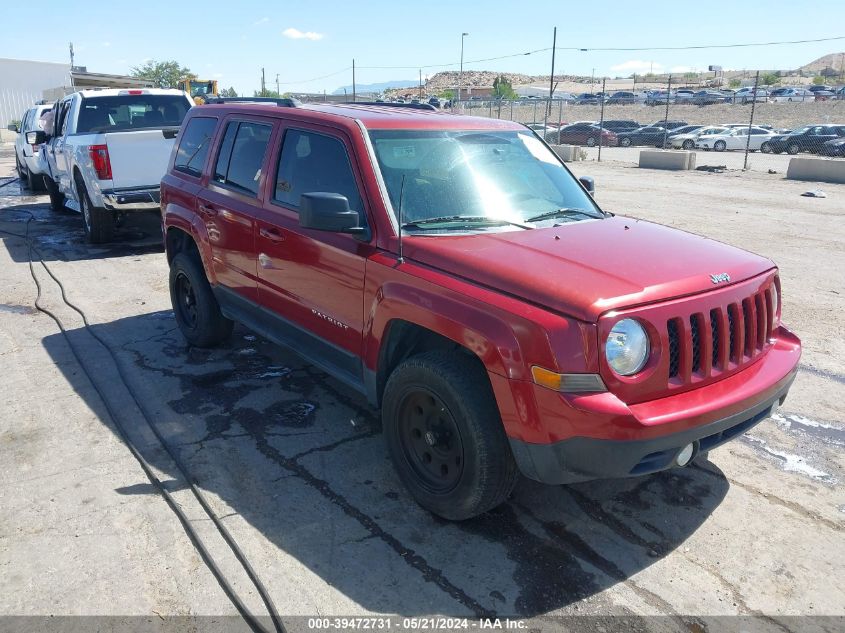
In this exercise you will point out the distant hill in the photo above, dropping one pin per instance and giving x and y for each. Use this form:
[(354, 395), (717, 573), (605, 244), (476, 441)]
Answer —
[(379, 87), (834, 61)]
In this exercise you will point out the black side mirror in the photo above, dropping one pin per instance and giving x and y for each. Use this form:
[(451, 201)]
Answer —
[(36, 137), (589, 184), (329, 212), (12, 127)]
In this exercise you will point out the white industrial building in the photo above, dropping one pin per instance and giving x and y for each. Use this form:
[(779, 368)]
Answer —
[(23, 82)]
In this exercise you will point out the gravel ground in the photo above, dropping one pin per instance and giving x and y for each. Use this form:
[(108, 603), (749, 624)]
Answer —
[(294, 462)]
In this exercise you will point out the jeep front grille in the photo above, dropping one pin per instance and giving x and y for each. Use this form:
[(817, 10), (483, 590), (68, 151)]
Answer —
[(723, 338)]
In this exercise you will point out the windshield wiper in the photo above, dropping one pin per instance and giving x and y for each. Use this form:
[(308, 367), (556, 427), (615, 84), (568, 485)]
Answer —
[(563, 211), (467, 219)]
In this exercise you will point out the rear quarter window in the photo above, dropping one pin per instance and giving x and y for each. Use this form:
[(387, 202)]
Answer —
[(194, 145)]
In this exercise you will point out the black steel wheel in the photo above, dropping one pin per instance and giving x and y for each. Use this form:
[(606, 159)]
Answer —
[(445, 436), (186, 301), (431, 440)]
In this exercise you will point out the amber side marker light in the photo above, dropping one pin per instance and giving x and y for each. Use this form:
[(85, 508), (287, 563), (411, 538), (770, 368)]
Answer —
[(568, 383)]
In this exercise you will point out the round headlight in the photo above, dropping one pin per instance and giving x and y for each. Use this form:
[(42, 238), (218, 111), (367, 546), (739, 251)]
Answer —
[(626, 348)]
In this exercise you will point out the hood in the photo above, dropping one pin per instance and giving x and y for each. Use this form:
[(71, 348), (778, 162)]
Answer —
[(584, 269)]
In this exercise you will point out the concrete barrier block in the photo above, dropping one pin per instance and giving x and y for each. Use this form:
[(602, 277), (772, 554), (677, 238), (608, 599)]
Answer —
[(816, 169), (657, 159), (7, 136), (567, 153)]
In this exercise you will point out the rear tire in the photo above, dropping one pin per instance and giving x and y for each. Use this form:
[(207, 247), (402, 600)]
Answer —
[(196, 309), (766, 147), (625, 142), (720, 146), (793, 149), (591, 141), (688, 144), (97, 222), (445, 436)]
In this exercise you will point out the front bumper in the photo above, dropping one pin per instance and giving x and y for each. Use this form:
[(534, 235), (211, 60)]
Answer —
[(585, 458), (132, 199)]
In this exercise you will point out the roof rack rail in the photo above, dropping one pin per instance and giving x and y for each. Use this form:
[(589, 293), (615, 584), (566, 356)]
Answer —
[(393, 104), (285, 102)]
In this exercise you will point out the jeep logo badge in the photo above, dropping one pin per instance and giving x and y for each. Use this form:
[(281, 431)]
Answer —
[(720, 278)]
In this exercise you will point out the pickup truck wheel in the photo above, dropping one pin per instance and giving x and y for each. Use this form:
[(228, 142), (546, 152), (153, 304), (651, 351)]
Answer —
[(445, 436), (98, 223), (197, 311), (57, 199), (34, 183)]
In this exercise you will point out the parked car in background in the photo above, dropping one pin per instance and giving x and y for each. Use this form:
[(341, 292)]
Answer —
[(687, 141), (547, 131), (809, 138), (566, 97), (747, 95), (659, 97), (793, 94), (27, 157), (669, 125), (737, 138), (684, 137), (585, 134), (586, 98), (648, 135), (707, 97), (107, 152), (620, 125), (684, 95), (820, 88), (625, 98), (835, 147)]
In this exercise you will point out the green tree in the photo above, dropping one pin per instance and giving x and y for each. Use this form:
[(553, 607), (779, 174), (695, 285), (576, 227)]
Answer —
[(228, 92), (818, 80), (446, 94), (690, 76), (769, 79), (734, 83), (164, 74), (502, 88)]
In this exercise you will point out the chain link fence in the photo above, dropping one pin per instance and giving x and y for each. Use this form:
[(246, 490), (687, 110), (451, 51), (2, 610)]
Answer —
[(757, 128)]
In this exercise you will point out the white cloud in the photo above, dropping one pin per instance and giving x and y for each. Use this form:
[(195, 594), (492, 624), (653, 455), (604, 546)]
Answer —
[(106, 44), (218, 75), (261, 21), (637, 66), (296, 34), (681, 69)]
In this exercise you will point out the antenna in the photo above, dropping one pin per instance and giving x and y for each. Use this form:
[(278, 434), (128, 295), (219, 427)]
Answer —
[(401, 259)]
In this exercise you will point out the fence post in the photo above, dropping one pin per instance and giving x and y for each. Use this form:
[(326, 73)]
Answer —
[(491, 109), (534, 119), (559, 119), (601, 116), (751, 122), (666, 118), (511, 109)]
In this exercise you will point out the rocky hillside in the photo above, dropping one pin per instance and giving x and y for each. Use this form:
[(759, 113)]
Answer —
[(833, 61), (483, 79)]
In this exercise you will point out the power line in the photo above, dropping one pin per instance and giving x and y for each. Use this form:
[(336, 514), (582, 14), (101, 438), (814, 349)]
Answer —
[(701, 46), (305, 81)]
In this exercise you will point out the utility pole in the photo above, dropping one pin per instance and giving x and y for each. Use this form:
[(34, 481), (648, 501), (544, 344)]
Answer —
[(552, 77), (592, 81), (279, 94), (751, 122), (70, 44), (461, 73), (601, 116), (420, 83), (263, 85), (666, 118), (353, 82)]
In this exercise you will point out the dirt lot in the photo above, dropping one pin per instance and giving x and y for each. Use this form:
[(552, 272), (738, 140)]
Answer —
[(294, 463)]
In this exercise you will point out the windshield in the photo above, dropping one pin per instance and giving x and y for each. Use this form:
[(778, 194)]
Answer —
[(201, 88), (501, 176), (131, 112)]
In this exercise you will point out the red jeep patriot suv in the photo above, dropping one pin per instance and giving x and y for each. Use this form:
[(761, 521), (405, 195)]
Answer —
[(453, 271)]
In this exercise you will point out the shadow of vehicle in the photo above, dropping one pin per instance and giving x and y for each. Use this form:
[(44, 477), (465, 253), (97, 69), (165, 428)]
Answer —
[(58, 235), (300, 459)]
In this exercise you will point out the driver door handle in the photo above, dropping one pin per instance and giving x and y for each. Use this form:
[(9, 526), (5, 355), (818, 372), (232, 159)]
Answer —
[(271, 234), (207, 209)]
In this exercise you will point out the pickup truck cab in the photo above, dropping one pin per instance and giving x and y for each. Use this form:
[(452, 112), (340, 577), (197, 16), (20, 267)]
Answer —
[(454, 272), (107, 152)]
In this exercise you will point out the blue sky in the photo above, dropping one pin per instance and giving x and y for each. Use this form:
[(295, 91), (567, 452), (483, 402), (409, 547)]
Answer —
[(302, 41)]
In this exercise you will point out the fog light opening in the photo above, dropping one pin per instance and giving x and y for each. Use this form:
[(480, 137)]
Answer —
[(686, 455)]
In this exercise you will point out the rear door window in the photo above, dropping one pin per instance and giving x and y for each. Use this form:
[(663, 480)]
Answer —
[(311, 162), (241, 155), (194, 146)]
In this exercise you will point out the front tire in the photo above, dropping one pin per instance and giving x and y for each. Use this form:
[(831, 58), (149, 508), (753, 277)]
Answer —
[(625, 142), (57, 198), (445, 436), (97, 222), (766, 147), (793, 149), (688, 144), (591, 141), (196, 309)]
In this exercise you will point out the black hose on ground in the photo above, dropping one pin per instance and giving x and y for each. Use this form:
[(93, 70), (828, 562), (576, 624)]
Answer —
[(251, 620)]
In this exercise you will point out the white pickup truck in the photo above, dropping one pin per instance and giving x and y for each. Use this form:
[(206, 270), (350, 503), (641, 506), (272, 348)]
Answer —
[(108, 151)]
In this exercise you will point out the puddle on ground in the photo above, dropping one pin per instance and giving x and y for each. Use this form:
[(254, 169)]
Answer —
[(17, 309)]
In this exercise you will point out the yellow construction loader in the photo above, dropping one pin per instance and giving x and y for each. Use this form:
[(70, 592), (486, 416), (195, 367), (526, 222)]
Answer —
[(199, 89)]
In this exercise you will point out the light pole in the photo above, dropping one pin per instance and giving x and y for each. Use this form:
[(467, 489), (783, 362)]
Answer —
[(461, 74)]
